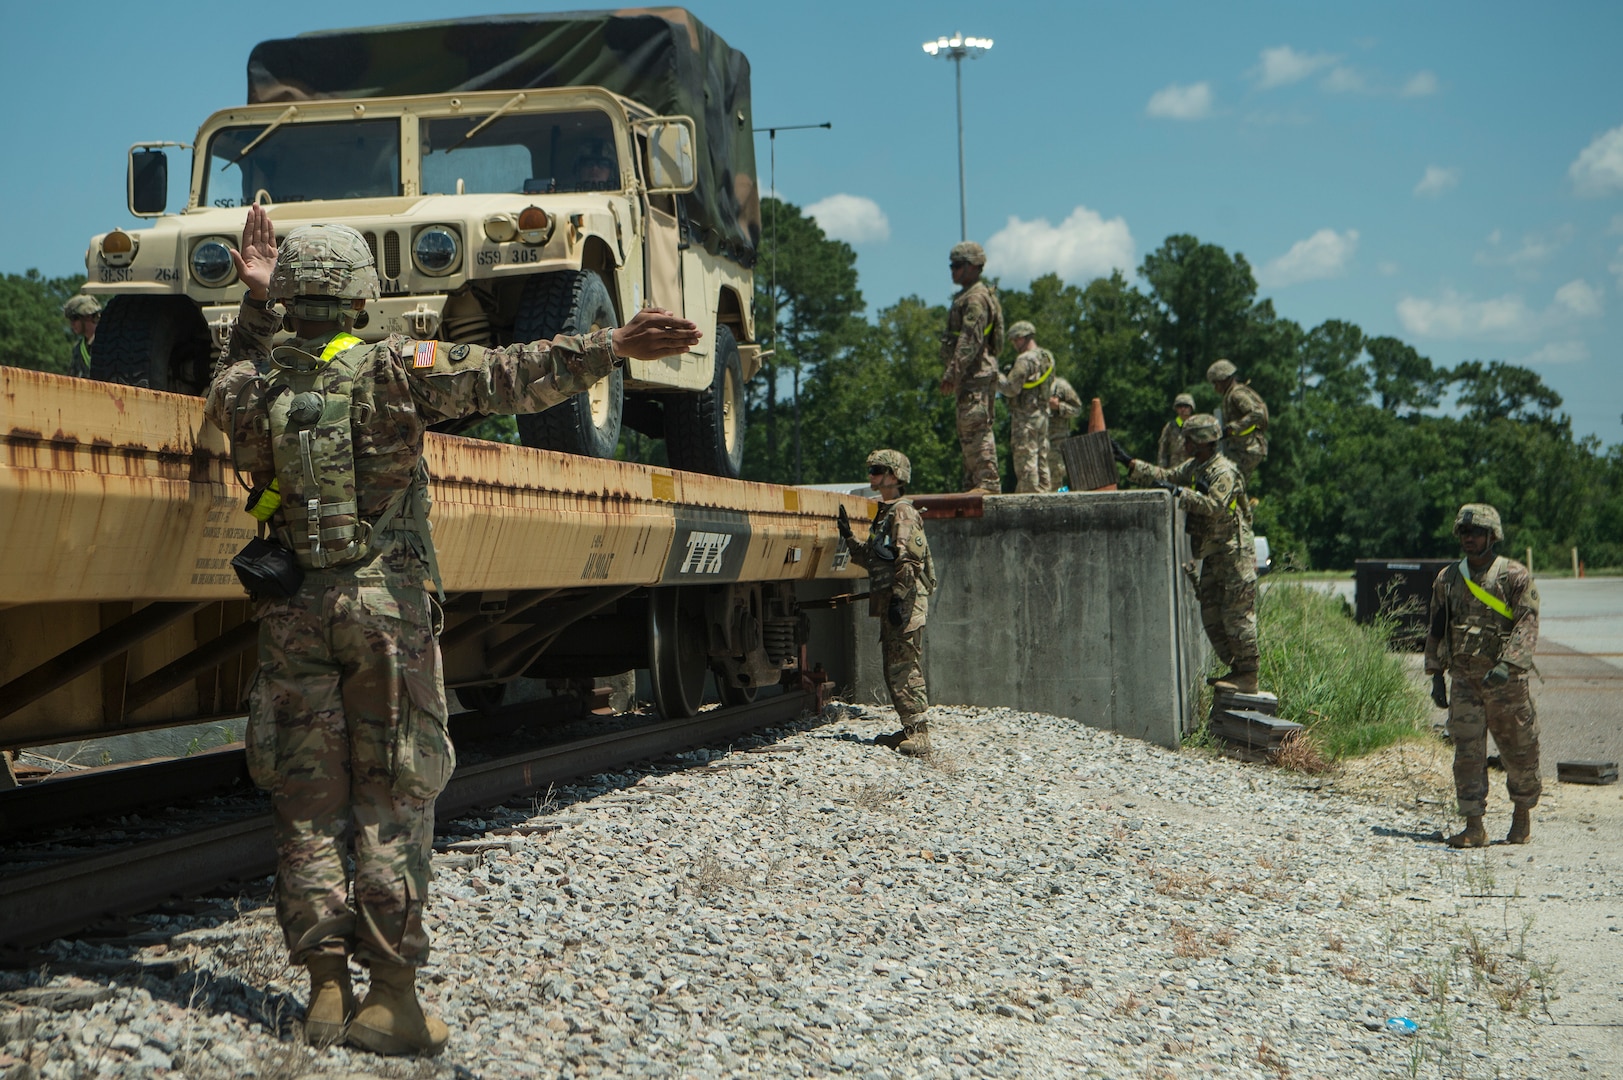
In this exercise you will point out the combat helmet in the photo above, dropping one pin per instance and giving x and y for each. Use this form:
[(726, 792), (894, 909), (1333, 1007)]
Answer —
[(895, 461), (1022, 329), (1202, 428), (1222, 369), (1184, 399), (968, 251), (323, 260), (1479, 516), (81, 307)]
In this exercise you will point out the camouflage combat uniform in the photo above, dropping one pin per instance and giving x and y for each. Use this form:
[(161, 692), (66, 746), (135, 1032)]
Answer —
[(1245, 428), (1059, 429), (1026, 387), (969, 350), (1219, 526), (909, 578), (1170, 451), (1467, 638), (347, 714)]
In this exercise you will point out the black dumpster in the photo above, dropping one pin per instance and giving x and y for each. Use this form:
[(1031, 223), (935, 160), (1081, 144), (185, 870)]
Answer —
[(1398, 587)]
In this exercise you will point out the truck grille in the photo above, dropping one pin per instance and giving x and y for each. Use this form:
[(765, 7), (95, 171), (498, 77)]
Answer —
[(389, 262)]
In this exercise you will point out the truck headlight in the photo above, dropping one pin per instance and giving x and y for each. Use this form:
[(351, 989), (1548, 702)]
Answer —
[(118, 248), (436, 251), (211, 263)]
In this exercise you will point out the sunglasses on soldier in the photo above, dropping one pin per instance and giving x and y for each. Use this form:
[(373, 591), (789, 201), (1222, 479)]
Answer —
[(878, 470)]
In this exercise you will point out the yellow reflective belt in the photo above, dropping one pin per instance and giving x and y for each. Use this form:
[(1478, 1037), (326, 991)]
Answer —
[(1248, 430), (341, 343), (1483, 594), (1038, 382)]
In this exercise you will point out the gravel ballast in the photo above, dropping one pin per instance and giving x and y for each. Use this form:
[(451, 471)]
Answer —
[(1035, 899)]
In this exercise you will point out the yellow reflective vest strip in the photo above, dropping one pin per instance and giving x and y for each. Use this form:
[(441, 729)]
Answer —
[(1033, 384), (1483, 594), (341, 343), (1248, 431)]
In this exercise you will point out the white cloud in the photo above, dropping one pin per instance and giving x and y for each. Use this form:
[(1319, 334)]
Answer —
[(1345, 80), (1325, 254), (1082, 247), (1177, 102), (1579, 298), (1283, 65), (855, 219), (1456, 316), (1437, 180), (1537, 248), (1420, 84), (1558, 352), (1598, 169)]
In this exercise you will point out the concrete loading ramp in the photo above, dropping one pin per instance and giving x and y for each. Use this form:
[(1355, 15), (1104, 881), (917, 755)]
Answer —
[(1074, 605)]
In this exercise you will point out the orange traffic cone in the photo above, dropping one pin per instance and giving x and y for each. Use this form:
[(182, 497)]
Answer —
[(1096, 422)]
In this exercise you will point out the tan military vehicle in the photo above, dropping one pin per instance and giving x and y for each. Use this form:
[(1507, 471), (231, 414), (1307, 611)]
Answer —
[(563, 172)]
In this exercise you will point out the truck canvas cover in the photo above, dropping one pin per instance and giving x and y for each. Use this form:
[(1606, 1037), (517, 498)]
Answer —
[(663, 58)]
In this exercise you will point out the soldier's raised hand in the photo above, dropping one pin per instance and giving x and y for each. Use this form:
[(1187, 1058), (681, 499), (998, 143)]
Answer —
[(1439, 691), (654, 333), (257, 259), (844, 523)]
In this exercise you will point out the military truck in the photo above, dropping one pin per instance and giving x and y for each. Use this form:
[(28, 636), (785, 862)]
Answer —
[(516, 177)]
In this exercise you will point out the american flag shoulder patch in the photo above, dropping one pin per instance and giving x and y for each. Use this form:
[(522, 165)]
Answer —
[(424, 357)]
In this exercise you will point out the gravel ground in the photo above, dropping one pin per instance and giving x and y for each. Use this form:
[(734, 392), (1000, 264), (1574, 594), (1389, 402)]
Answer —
[(1035, 899)]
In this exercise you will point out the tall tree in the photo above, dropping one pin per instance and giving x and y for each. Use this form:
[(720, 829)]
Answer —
[(33, 333)]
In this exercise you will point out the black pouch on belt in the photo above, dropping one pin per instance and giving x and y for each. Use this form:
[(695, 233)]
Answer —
[(266, 568)]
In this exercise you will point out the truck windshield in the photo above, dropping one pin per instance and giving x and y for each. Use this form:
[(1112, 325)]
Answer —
[(350, 159), (526, 153)]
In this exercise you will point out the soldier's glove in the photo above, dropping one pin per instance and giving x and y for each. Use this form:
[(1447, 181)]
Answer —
[(1439, 691), (897, 617), (1498, 676), (1120, 454), (845, 526), (1204, 486)]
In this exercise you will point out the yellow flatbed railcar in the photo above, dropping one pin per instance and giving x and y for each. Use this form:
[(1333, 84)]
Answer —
[(119, 611)]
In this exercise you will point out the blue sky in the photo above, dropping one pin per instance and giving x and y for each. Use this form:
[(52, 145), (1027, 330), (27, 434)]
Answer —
[(1448, 173)]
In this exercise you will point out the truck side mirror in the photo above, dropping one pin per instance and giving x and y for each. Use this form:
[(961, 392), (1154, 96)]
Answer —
[(671, 165), (148, 181)]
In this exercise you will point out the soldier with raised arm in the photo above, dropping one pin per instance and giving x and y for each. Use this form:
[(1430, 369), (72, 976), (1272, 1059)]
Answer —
[(347, 713), (1026, 388), (969, 352), (1482, 633)]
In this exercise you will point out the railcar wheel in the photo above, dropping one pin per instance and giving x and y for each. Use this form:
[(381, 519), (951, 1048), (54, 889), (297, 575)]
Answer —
[(677, 651)]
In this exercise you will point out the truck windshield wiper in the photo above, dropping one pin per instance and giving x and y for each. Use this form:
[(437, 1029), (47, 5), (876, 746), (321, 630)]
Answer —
[(513, 103), (287, 114)]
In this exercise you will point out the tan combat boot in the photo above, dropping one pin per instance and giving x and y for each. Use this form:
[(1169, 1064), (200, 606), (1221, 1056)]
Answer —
[(917, 743), (1521, 826), (391, 1021), (332, 1002), (1238, 682), (1473, 835)]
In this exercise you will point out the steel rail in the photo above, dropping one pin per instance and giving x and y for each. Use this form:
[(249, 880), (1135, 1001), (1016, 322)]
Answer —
[(39, 905)]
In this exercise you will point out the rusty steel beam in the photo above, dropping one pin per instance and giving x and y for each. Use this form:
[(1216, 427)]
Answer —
[(173, 675)]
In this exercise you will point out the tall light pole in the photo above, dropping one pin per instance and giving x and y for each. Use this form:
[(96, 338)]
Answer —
[(955, 49)]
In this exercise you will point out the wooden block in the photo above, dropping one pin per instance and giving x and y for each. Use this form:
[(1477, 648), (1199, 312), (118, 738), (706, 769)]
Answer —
[(1586, 772), (1262, 702), (1089, 462), (1251, 728)]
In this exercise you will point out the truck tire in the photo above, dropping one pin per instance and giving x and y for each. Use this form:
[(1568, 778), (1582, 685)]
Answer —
[(159, 342), (571, 302), (704, 432)]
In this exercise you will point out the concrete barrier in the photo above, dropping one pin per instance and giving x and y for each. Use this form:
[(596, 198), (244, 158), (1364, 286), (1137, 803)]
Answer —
[(1074, 605)]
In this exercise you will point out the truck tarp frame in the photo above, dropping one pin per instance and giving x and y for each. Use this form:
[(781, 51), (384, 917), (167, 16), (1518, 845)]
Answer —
[(663, 58)]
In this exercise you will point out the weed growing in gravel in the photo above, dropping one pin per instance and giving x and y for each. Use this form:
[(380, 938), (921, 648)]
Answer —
[(711, 877), (1335, 676), (875, 796)]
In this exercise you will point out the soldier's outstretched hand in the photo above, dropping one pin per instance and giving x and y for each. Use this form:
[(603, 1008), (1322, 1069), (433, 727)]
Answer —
[(257, 259), (654, 333)]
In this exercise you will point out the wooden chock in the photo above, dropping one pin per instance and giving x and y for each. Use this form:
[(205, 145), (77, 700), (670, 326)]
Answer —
[(1096, 417)]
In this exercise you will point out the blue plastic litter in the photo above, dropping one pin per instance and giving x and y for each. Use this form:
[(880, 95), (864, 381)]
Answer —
[(1401, 1025)]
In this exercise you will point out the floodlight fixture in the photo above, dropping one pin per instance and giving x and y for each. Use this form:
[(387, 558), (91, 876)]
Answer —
[(955, 48)]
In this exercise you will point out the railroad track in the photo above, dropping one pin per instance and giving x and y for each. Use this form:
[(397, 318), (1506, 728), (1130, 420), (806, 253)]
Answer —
[(37, 905)]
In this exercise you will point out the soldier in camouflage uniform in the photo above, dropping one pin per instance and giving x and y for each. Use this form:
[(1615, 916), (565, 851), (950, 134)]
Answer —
[(969, 351), (901, 576), (347, 715), (82, 313), (1245, 418), (1169, 452), (1211, 491), (1026, 388), (1483, 630), (1063, 404)]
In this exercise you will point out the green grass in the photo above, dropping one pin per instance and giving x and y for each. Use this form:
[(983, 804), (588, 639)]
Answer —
[(1335, 676)]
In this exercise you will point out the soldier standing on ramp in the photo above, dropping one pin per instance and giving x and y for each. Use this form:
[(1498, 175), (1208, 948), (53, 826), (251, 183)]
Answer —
[(347, 714), (1483, 630), (1218, 517), (1063, 404), (901, 576), (1026, 387), (1245, 419), (1169, 452), (969, 350)]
